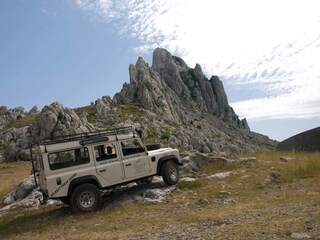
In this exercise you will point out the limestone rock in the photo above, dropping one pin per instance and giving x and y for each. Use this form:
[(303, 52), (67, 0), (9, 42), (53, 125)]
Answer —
[(55, 120), (300, 236), (21, 191), (286, 159)]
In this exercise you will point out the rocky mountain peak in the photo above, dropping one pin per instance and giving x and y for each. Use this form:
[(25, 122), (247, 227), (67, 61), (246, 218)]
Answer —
[(171, 87), (168, 102)]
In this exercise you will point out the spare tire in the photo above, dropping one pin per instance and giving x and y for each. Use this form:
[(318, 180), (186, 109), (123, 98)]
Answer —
[(154, 146)]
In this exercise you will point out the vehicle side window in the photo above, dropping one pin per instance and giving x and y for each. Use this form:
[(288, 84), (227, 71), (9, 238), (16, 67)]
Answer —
[(131, 146), (68, 158), (105, 152)]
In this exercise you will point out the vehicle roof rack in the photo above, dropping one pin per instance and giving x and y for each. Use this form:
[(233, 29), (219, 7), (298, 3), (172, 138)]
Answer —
[(89, 137)]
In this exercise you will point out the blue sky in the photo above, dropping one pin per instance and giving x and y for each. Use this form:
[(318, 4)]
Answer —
[(267, 53)]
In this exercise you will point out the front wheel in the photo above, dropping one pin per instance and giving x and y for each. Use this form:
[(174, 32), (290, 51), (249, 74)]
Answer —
[(86, 197), (170, 173)]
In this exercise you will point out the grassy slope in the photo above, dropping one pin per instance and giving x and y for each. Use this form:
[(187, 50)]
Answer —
[(249, 209), (11, 174)]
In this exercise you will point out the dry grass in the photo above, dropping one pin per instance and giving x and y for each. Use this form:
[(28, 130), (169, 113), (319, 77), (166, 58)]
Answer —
[(11, 174), (303, 166), (249, 210)]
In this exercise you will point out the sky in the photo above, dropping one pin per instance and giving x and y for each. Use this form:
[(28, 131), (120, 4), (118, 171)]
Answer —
[(266, 52)]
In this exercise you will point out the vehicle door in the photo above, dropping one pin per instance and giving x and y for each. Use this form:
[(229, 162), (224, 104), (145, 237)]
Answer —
[(135, 159), (108, 162)]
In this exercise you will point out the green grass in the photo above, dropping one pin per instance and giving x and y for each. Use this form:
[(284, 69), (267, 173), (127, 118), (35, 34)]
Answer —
[(21, 122), (91, 117), (128, 109), (165, 135)]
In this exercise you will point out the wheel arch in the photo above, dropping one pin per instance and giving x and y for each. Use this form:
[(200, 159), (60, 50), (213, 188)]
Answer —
[(81, 180), (165, 159)]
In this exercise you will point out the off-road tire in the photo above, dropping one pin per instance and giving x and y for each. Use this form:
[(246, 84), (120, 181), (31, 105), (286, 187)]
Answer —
[(170, 173), (86, 198)]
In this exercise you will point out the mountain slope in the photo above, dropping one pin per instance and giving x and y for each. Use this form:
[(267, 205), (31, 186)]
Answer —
[(305, 141)]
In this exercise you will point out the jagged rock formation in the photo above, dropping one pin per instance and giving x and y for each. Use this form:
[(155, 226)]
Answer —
[(8, 115), (168, 102), (53, 121), (186, 109), (305, 141), (172, 88)]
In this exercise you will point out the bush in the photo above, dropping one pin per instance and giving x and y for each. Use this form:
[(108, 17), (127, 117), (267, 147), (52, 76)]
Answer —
[(165, 135)]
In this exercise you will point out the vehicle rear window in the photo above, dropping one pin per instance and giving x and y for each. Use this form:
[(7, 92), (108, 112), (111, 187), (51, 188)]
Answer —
[(131, 146), (68, 158)]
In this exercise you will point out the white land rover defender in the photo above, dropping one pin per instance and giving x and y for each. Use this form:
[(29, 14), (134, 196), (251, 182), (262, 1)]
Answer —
[(77, 168)]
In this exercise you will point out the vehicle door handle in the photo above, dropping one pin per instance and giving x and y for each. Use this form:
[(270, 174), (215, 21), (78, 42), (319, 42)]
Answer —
[(103, 170), (129, 164)]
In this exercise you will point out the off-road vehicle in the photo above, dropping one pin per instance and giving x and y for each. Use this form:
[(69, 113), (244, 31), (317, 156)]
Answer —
[(78, 168)]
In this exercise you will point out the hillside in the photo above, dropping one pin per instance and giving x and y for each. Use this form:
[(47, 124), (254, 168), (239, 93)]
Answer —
[(168, 102), (305, 141), (261, 196)]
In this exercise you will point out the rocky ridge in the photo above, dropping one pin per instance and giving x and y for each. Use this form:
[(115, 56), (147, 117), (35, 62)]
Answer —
[(186, 109), (168, 102)]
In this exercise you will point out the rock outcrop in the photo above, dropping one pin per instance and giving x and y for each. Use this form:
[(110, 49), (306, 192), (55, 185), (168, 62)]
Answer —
[(179, 106), (9, 115), (53, 121), (172, 88), (56, 121)]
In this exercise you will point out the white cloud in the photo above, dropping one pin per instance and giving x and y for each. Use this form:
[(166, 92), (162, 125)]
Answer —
[(270, 45)]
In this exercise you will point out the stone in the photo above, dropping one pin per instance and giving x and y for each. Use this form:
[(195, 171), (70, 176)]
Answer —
[(202, 202), (221, 175), (300, 236), (21, 191), (223, 194), (286, 159), (246, 160), (55, 120), (271, 177)]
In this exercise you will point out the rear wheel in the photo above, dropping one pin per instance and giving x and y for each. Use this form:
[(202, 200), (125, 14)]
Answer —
[(86, 197), (170, 173)]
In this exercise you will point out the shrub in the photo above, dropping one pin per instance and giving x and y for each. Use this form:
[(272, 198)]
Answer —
[(165, 135)]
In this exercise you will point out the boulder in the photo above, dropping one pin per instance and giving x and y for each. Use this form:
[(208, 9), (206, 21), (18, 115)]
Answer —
[(21, 191), (55, 121)]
